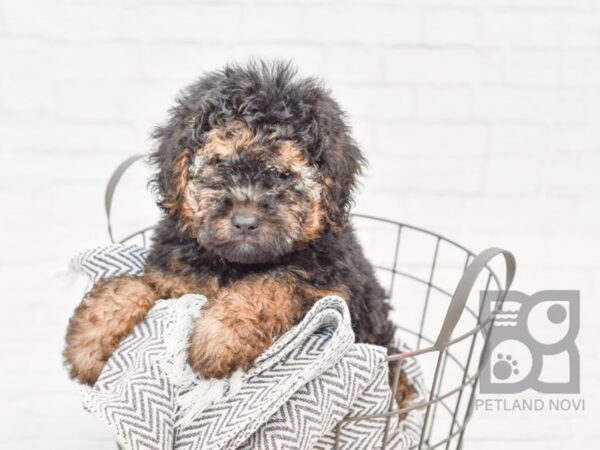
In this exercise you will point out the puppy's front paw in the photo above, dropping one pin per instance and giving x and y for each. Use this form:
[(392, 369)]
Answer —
[(216, 350), (84, 362), (107, 314)]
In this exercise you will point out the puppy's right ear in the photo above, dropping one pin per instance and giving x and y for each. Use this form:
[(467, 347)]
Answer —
[(179, 138), (171, 160), (176, 142)]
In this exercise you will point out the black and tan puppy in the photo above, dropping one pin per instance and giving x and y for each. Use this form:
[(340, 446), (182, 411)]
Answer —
[(255, 174)]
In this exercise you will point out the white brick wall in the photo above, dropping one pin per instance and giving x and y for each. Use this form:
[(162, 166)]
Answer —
[(480, 119)]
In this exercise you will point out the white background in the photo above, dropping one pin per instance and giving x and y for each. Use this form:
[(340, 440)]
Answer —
[(480, 118)]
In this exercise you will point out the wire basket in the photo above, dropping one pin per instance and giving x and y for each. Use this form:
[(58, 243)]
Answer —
[(438, 289), (432, 283)]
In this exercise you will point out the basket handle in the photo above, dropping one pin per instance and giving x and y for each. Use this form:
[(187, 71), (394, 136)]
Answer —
[(464, 287), (112, 185)]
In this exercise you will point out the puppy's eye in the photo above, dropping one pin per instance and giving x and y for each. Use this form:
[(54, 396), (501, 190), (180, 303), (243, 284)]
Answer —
[(284, 176), (227, 201)]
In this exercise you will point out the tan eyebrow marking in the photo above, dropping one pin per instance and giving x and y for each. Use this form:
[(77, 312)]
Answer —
[(291, 156), (225, 142)]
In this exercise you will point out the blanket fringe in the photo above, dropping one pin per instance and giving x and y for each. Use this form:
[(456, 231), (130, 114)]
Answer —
[(194, 393)]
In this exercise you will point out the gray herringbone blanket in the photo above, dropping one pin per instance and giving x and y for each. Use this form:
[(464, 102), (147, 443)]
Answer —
[(293, 398)]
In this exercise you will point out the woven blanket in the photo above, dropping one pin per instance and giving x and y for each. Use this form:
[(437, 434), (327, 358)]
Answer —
[(294, 397)]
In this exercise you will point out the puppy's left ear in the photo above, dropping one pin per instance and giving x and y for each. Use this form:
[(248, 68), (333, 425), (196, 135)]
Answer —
[(341, 162)]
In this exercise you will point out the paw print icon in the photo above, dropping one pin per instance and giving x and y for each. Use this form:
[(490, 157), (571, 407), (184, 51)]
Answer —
[(505, 367), (532, 343)]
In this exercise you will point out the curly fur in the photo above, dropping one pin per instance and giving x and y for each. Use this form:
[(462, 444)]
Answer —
[(254, 140)]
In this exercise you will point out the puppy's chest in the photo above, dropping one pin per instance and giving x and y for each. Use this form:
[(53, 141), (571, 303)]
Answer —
[(289, 292)]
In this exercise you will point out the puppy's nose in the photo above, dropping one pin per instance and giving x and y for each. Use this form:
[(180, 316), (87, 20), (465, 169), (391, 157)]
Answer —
[(244, 221)]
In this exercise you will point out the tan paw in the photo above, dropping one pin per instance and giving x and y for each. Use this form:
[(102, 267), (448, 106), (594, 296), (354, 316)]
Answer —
[(216, 351), (84, 366), (106, 315)]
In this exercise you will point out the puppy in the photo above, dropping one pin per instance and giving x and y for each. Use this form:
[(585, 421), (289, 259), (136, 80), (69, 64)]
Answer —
[(255, 171)]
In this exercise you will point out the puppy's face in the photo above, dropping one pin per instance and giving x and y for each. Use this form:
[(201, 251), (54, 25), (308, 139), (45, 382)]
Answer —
[(256, 163), (251, 196)]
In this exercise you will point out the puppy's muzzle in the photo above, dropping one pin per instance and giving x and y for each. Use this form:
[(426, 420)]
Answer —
[(245, 223)]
